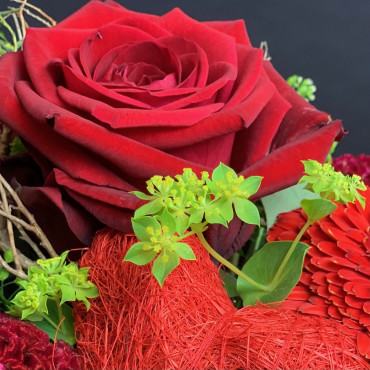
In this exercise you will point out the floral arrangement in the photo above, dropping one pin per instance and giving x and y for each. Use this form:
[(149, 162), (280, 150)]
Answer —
[(213, 229)]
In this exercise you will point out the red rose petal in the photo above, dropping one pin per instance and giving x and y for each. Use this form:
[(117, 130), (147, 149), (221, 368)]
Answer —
[(107, 39), (85, 87), (43, 45), (124, 153), (311, 146), (97, 14), (119, 118), (180, 24), (235, 29), (41, 202)]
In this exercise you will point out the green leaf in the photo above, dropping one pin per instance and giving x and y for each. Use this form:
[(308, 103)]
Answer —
[(221, 171), (183, 251), (285, 201), (164, 264), (251, 184), (215, 218), (68, 293), (142, 195), (229, 283), (4, 274), (182, 223), (247, 211), (144, 227), (196, 217), (66, 331), (168, 220), (264, 268), (8, 256), (226, 208), (150, 208), (17, 147), (140, 256), (316, 209)]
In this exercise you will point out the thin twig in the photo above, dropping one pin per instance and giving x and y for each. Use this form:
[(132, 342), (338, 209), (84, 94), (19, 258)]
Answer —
[(10, 269), (24, 260), (9, 226), (18, 27), (32, 226), (264, 46), (5, 139), (50, 20)]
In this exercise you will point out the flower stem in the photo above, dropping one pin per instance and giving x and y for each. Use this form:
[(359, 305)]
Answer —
[(226, 263), (49, 320), (289, 253)]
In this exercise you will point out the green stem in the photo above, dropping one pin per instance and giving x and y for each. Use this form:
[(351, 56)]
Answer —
[(226, 263), (14, 38), (49, 320), (60, 313), (289, 253)]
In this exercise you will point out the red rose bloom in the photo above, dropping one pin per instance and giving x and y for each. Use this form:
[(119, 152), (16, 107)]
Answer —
[(336, 273), (110, 97)]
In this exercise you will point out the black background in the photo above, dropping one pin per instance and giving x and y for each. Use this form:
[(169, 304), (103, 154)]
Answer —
[(326, 40)]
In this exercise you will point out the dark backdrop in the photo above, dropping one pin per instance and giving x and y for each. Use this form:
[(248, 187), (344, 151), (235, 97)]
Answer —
[(327, 40)]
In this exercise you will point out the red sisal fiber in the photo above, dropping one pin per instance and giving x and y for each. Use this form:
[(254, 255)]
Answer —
[(191, 323)]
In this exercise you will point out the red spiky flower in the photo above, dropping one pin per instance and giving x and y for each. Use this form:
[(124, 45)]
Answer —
[(24, 346), (335, 281)]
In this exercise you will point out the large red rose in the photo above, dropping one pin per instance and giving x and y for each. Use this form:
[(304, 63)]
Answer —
[(110, 97)]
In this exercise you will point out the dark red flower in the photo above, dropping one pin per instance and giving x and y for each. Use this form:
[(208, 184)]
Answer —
[(354, 165), (335, 281), (110, 97), (24, 346)]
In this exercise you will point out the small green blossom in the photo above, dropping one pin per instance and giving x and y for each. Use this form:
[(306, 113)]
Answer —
[(53, 280), (304, 87), (332, 185), (184, 202)]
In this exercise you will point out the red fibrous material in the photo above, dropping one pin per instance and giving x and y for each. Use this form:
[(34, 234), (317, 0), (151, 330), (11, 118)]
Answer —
[(23, 346), (336, 276), (191, 323)]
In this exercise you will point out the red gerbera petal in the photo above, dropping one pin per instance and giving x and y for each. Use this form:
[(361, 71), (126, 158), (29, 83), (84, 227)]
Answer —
[(335, 278)]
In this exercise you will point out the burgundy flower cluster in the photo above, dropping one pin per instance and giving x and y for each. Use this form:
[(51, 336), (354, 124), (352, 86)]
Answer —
[(24, 346), (354, 165)]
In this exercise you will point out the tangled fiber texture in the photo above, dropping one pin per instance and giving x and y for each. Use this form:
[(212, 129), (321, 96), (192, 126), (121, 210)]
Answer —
[(23, 346), (336, 274), (190, 323), (354, 165)]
